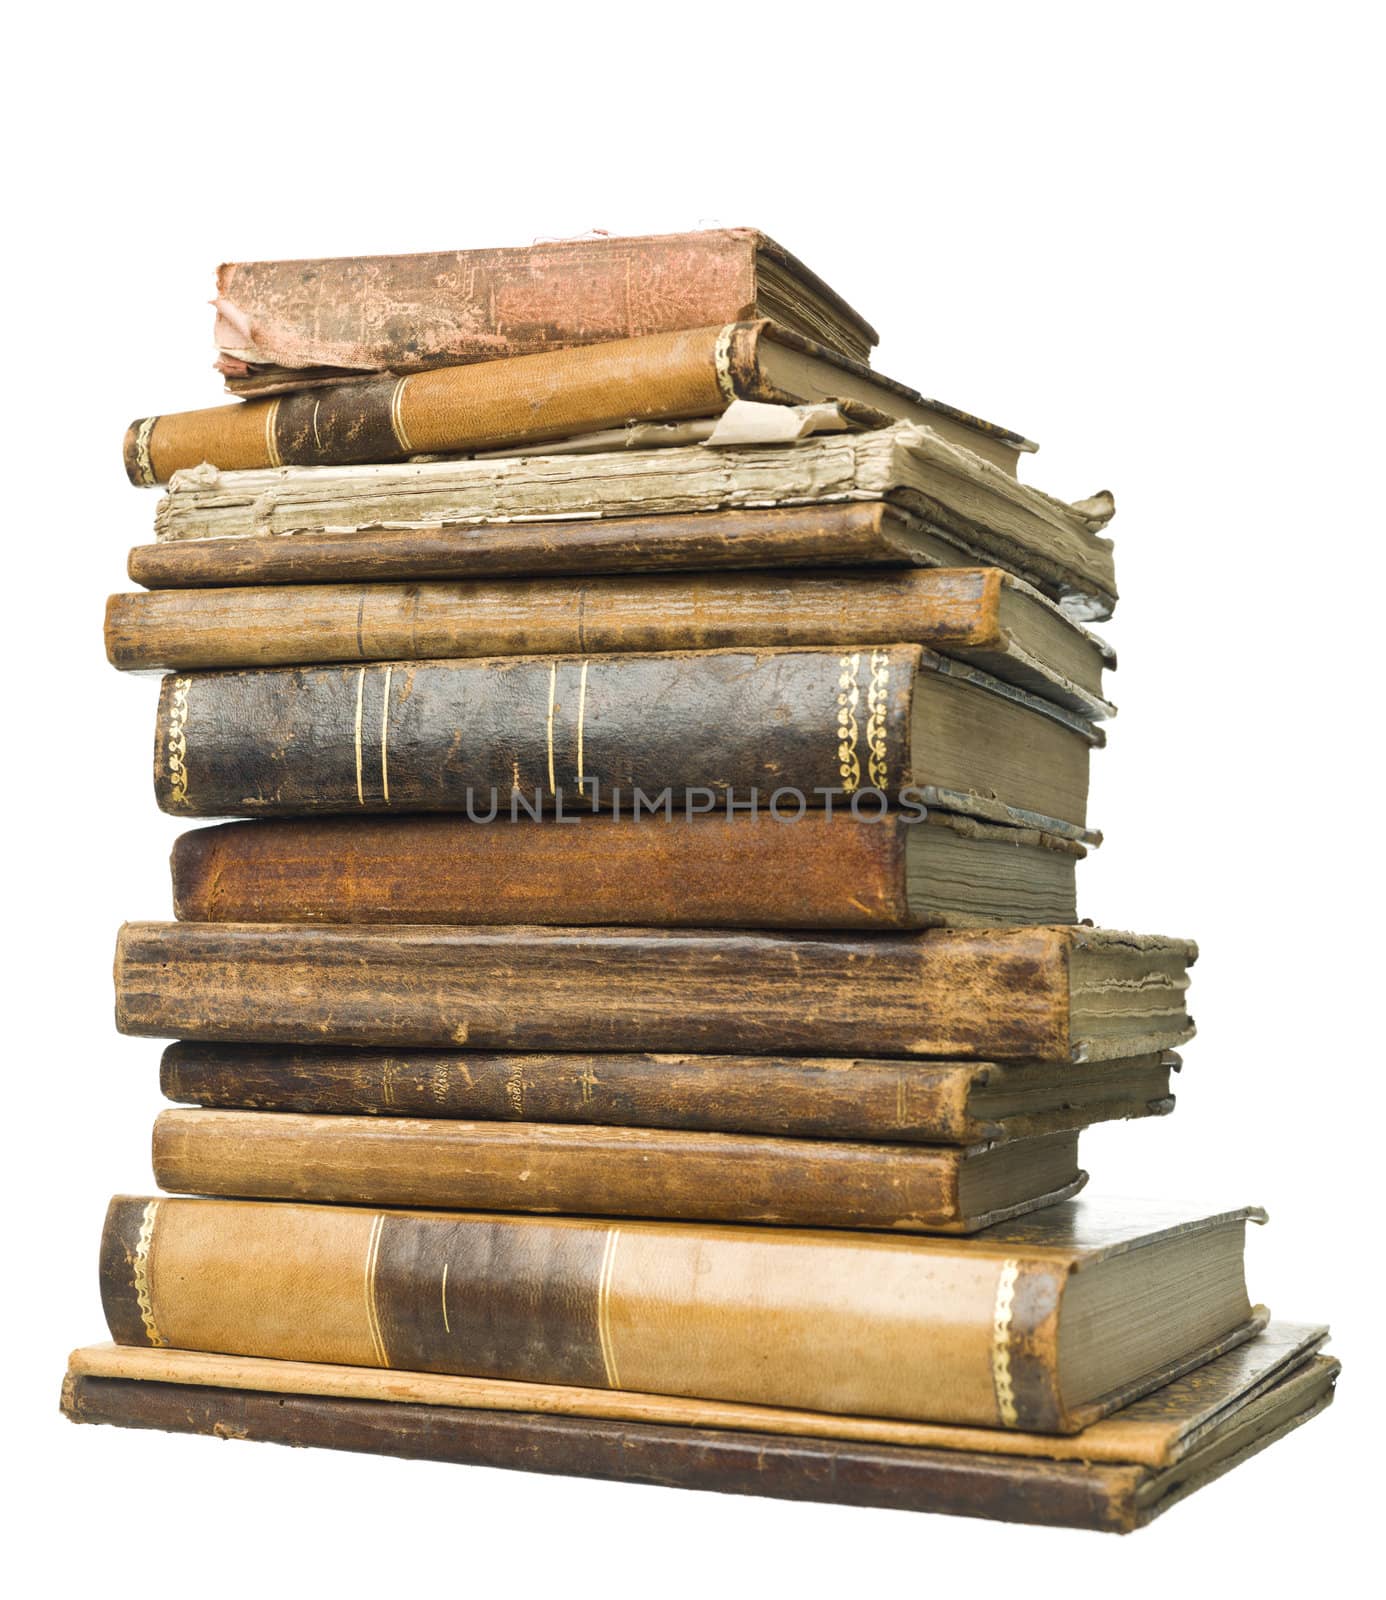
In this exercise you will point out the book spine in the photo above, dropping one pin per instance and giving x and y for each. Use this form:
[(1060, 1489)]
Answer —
[(583, 1171), (483, 305), (980, 995), (864, 533), (716, 871), (465, 736), (522, 400), (301, 625), (909, 1101), (1051, 1493), (863, 1324)]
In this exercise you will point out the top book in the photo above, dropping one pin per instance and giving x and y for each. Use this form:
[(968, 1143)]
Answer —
[(284, 325)]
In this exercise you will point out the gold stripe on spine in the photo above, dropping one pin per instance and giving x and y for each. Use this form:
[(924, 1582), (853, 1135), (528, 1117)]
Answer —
[(582, 712), (384, 737), (447, 1326), (553, 687), (721, 361), (382, 1357), (1001, 1342), (397, 420), (876, 767), (271, 437), (613, 1377), (176, 745), (142, 1244), (144, 461), (360, 701), (848, 698)]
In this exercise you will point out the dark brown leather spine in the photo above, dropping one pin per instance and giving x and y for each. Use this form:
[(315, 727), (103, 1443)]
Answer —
[(862, 533), (460, 735), (911, 1102), (987, 994), (716, 871), (591, 1171), (191, 630), (960, 1483)]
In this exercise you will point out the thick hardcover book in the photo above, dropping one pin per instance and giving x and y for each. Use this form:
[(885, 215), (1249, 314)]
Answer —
[(527, 399), (288, 324), (976, 615), (446, 507), (1115, 1475), (611, 1172), (742, 871), (911, 1102), (1043, 1324), (868, 534), (697, 729), (1023, 994)]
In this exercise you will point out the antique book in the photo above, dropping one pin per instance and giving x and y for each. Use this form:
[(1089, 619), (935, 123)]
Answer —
[(697, 728), (1042, 1324), (611, 1172), (904, 1101), (289, 324), (977, 615), (1115, 1475), (1015, 994), (1069, 1494), (443, 510), (740, 871), (528, 399)]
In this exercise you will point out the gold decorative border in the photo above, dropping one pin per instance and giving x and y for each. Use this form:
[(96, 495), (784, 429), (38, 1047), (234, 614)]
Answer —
[(382, 1356), (1001, 1342), (721, 361), (876, 766), (176, 745), (142, 1245), (613, 1378), (397, 427), (272, 433), (848, 698), (144, 461)]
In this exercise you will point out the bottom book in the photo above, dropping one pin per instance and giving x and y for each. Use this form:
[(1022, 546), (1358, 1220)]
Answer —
[(1115, 1476)]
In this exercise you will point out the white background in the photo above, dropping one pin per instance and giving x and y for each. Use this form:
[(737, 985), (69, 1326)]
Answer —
[(1141, 236)]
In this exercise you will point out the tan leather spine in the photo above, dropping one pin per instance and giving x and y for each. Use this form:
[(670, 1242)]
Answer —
[(292, 625), (588, 1171), (517, 401), (863, 1325)]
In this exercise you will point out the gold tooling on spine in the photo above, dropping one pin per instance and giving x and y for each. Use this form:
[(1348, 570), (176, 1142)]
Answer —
[(613, 1379), (721, 360), (876, 767), (384, 737), (396, 419), (360, 700), (271, 437), (176, 747), (1001, 1342), (582, 712), (848, 697), (372, 1315), (142, 1244)]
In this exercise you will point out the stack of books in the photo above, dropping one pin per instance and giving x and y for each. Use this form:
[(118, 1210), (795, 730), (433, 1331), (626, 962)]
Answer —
[(644, 1027)]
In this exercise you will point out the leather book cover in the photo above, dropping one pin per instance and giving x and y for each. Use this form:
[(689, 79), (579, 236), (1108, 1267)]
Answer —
[(523, 400), (946, 1330), (609, 1172), (864, 533), (825, 870), (909, 1102), (445, 308), (687, 730), (1017, 994), (961, 510), (1166, 1427)]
